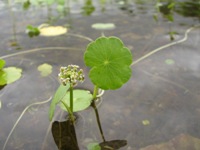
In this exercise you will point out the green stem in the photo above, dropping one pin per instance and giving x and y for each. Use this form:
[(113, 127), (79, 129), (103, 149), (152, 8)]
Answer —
[(69, 111), (71, 97), (98, 120), (96, 88)]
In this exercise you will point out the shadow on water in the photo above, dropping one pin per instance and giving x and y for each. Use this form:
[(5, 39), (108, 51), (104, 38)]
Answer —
[(64, 135), (160, 103)]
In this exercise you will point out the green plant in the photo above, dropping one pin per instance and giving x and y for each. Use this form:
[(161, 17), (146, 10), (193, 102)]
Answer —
[(110, 63)]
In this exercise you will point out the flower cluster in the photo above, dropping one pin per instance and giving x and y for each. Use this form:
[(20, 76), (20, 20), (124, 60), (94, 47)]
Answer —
[(71, 75)]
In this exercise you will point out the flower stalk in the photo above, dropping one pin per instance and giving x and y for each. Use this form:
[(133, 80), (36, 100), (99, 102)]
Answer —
[(71, 75)]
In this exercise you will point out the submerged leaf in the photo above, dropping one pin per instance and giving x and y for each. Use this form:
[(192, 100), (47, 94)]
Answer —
[(103, 26), (82, 99), (58, 96), (109, 61), (12, 74), (52, 30), (45, 69), (64, 135)]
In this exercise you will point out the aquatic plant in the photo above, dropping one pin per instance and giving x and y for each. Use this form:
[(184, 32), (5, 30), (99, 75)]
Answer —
[(109, 61)]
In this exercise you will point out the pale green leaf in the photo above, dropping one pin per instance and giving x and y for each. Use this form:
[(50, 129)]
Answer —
[(81, 100), (45, 69), (103, 26), (109, 61), (12, 74), (58, 96)]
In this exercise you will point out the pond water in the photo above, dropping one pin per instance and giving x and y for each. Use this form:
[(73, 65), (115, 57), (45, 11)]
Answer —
[(159, 103)]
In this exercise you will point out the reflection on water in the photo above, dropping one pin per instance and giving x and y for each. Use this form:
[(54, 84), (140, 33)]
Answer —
[(166, 95)]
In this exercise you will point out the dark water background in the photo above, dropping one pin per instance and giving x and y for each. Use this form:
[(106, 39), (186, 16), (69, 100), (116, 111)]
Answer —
[(165, 95)]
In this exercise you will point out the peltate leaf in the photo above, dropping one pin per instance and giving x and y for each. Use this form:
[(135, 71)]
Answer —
[(109, 61), (82, 99), (58, 96)]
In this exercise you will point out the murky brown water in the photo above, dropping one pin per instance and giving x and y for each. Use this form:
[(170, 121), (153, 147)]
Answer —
[(160, 101)]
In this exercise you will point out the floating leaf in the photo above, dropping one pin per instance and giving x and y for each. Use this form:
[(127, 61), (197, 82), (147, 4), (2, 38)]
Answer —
[(58, 96), (0, 104), (52, 30), (103, 26), (82, 99), (2, 63), (109, 61), (93, 146), (45, 69), (11, 74), (145, 122), (169, 61)]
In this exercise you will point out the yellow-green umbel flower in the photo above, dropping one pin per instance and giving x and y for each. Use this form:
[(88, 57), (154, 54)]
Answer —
[(71, 75)]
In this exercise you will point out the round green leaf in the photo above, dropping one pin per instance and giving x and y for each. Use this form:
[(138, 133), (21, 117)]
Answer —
[(12, 74), (81, 100), (109, 61), (45, 69)]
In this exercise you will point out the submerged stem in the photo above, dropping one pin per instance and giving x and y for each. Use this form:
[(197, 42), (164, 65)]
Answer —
[(98, 120)]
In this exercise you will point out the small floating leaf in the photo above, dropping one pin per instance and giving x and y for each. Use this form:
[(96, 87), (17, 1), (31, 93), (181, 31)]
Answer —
[(2, 63), (12, 74), (45, 69), (145, 122), (60, 93), (52, 30), (82, 99), (0, 104), (93, 146), (32, 31), (109, 61), (169, 61), (103, 26)]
